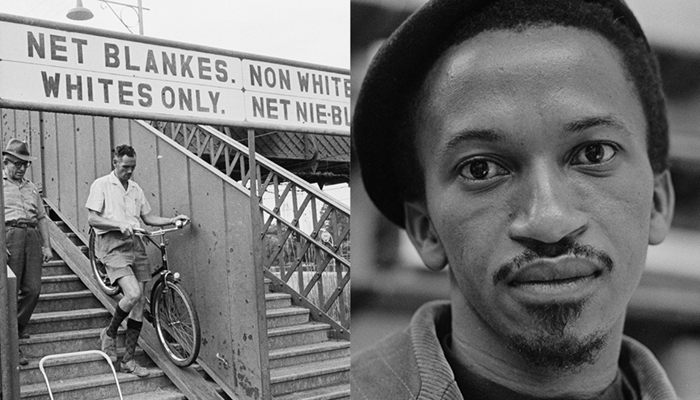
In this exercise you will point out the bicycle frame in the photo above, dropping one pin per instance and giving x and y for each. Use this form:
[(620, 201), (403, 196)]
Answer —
[(163, 268)]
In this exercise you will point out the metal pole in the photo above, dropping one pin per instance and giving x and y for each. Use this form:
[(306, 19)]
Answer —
[(256, 227), (140, 10)]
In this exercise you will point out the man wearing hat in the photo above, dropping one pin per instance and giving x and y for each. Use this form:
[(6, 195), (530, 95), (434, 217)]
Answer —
[(26, 232), (524, 145)]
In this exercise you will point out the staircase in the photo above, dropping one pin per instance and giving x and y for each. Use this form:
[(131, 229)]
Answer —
[(69, 318), (304, 362)]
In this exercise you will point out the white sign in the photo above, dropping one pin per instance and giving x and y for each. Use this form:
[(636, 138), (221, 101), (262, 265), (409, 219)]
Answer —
[(87, 71)]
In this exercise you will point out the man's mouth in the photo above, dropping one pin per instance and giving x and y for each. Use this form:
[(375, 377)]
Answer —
[(562, 277)]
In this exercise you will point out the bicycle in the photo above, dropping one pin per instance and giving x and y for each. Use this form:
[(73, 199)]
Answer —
[(169, 308)]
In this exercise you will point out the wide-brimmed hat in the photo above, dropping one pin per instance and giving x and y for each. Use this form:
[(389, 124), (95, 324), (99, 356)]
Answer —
[(404, 58), (18, 149)]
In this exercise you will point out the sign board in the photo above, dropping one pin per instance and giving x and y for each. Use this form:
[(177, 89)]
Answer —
[(65, 68)]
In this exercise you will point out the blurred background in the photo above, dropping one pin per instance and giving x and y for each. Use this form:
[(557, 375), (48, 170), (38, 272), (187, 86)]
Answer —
[(390, 281)]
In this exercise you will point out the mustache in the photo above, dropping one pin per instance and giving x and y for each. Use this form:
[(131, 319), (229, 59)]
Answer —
[(565, 247)]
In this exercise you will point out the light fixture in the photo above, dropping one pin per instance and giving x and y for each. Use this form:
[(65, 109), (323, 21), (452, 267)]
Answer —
[(79, 13)]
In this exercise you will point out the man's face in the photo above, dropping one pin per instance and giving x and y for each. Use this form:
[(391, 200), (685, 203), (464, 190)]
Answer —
[(539, 190), (124, 167), (15, 171)]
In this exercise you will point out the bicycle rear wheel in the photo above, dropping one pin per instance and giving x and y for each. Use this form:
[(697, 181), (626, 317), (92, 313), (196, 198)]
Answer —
[(98, 269), (176, 322)]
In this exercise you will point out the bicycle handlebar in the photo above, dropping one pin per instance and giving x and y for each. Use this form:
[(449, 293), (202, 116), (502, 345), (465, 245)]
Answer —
[(162, 231)]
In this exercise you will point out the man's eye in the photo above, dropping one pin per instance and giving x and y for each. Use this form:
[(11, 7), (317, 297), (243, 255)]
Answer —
[(596, 153), (481, 170)]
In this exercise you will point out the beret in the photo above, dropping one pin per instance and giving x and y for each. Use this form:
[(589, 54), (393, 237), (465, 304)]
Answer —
[(405, 57)]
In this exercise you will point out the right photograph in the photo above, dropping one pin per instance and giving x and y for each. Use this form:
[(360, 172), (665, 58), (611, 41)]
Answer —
[(526, 199)]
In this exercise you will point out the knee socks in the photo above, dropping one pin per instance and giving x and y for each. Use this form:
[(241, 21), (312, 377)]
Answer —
[(133, 330), (119, 316)]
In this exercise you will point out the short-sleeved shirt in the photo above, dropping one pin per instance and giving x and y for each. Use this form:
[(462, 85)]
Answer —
[(109, 199), (22, 201)]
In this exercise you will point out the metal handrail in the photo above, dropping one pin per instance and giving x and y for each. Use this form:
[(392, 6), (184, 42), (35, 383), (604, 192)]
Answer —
[(293, 252), (76, 354)]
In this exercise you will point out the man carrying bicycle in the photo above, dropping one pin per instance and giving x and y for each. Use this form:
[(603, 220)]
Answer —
[(115, 205)]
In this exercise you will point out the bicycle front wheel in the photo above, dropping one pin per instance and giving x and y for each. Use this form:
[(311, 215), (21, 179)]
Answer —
[(176, 322)]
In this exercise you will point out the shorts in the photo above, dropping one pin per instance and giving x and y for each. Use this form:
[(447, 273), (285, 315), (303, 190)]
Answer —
[(122, 256)]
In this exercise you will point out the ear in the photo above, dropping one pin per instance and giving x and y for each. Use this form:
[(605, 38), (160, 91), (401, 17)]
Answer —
[(423, 235), (662, 213)]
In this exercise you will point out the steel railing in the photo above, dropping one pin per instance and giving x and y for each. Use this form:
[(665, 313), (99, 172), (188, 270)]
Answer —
[(306, 233)]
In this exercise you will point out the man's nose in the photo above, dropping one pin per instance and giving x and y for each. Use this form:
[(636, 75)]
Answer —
[(547, 208)]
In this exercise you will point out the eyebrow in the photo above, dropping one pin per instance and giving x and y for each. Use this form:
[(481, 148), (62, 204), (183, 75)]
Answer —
[(479, 135), (496, 136), (607, 121)]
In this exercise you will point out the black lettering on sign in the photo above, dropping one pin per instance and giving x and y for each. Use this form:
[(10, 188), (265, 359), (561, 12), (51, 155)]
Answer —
[(321, 113), (51, 84), (303, 81), (222, 74), (127, 59), (146, 99), (89, 85), (204, 68), (56, 47), (169, 64), (151, 65), (185, 98), (185, 65), (77, 87), (79, 43), (111, 55), (124, 92), (214, 96), (200, 107), (105, 85), (167, 95), (35, 45)]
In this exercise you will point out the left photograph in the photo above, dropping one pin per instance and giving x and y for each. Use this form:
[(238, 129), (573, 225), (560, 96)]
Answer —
[(177, 199)]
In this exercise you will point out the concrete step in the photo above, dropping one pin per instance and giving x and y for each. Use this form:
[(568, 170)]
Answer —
[(335, 392), (298, 335), (51, 302), (73, 367), (278, 317), (171, 394), (159, 394), (61, 284), (41, 344), (56, 267), (99, 386), (296, 378), (316, 352), (277, 300), (61, 321), (62, 225), (75, 239)]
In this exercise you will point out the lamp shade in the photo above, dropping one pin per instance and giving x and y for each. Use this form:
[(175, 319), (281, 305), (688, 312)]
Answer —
[(79, 13)]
